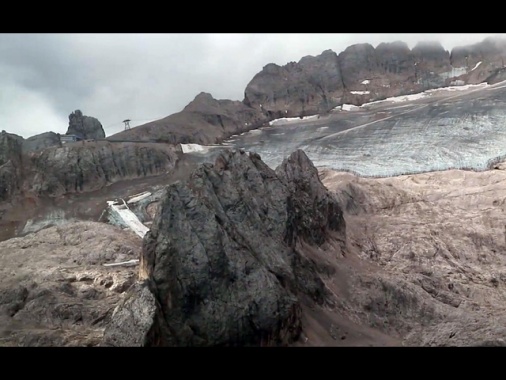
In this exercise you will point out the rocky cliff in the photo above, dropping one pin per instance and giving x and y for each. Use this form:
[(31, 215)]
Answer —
[(362, 73), (86, 127), (88, 166), (211, 282)]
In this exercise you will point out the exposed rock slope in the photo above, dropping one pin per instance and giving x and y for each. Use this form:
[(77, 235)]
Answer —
[(436, 242), (54, 290)]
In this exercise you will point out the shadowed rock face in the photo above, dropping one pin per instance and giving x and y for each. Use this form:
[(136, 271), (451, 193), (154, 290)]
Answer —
[(86, 127), (223, 257)]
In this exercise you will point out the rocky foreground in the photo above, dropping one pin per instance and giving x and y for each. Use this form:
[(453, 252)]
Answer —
[(240, 254)]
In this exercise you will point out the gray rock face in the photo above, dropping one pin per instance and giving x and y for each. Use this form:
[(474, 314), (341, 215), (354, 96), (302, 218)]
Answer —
[(357, 63), (40, 142), (87, 166), (314, 85), (86, 127), (135, 320), (362, 73), (223, 255)]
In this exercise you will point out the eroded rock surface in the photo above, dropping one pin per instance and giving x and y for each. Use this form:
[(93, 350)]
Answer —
[(54, 288), (436, 242), (224, 256)]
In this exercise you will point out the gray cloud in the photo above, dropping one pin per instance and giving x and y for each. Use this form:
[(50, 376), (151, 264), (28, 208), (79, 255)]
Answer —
[(44, 77)]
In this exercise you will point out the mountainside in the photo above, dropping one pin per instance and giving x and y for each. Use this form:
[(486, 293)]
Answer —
[(362, 73)]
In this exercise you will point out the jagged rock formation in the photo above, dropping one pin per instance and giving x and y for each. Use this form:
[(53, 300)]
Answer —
[(86, 127), (214, 284), (203, 121), (54, 289)]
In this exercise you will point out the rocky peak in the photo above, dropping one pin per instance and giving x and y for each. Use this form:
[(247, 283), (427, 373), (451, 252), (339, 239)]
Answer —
[(86, 127), (214, 283), (202, 102)]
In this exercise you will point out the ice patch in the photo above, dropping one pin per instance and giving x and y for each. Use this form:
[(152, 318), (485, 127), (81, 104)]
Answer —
[(138, 197), (359, 92), (475, 67), (348, 107), (188, 148), (288, 120), (128, 217), (366, 81)]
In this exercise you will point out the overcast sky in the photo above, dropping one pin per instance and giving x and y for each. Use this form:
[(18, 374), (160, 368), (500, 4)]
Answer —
[(143, 77)]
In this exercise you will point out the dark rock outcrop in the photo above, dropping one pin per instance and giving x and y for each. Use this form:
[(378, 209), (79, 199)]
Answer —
[(224, 259), (40, 142), (86, 127), (203, 121)]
